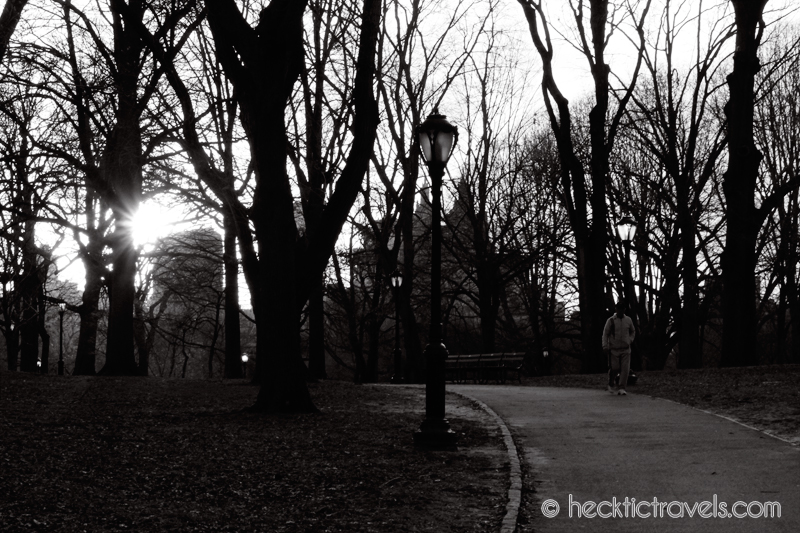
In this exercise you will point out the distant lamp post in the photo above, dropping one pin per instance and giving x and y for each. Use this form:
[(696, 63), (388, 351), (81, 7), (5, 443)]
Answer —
[(61, 308), (436, 137), (5, 278), (626, 229), (397, 280), (245, 358)]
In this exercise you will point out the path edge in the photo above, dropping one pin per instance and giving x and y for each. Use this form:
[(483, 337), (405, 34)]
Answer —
[(509, 524), (729, 419)]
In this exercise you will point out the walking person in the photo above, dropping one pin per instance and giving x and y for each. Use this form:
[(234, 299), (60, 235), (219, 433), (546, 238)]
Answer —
[(618, 335)]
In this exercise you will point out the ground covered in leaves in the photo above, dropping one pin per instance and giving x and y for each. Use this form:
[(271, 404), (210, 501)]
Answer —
[(146, 454), (764, 397)]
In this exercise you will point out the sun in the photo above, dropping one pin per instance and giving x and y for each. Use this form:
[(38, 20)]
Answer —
[(151, 222)]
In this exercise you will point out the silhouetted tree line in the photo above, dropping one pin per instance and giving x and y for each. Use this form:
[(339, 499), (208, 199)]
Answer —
[(290, 126)]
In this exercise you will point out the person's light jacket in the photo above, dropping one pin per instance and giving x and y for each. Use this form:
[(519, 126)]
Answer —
[(618, 333)]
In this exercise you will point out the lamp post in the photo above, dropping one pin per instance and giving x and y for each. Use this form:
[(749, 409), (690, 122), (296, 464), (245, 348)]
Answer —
[(244, 365), (397, 280), (436, 138), (61, 308), (626, 230)]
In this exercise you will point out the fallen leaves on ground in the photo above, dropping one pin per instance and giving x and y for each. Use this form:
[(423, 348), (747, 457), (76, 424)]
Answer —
[(145, 454)]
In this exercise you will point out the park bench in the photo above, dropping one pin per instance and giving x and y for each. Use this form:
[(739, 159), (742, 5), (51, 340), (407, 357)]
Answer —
[(482, 367)]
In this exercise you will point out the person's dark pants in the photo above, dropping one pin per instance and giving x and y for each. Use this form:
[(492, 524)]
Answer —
[(619, 361)]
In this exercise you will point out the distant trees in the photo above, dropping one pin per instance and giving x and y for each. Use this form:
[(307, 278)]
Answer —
[(777, 128)]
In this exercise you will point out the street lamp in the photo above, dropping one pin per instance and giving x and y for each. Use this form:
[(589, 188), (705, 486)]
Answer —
[(626, 229), (61, 308), (436, 139), (244, 365), (397, 280)]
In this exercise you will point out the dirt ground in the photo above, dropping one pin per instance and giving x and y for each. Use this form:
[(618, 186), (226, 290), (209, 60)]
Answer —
[(146, 454)]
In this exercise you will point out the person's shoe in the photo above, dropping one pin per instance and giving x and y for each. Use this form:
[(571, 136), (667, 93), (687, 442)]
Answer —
[(611, 389), (622, 392)]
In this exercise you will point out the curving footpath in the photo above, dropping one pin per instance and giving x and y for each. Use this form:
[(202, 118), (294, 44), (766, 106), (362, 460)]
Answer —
[(597, 450)]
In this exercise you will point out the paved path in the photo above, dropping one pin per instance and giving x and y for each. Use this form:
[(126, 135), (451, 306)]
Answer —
[(596, 447)]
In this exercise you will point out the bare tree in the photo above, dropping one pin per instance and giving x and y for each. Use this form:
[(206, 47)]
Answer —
[(322, 113), (586, 201), (739, 186), (673, 118), (263, 64)]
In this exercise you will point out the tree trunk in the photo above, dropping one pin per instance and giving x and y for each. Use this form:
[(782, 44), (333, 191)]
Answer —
[(29, 285), (593, 308), (794, 317), (414, 369), (233, 343), (374, 323), (29, 325), (282, 371), (29, 306), (85, 358), (739, 183), (217, 327), (316, 330), (140, 336), (8, 23), (792, 293), (45, 336), (689, 342), (12, 347), (120, 359), (121, 168), (488, 304)]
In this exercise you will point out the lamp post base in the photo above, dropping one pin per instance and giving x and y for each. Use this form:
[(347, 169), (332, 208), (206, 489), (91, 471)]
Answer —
[(435, 435), (61, 368)]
